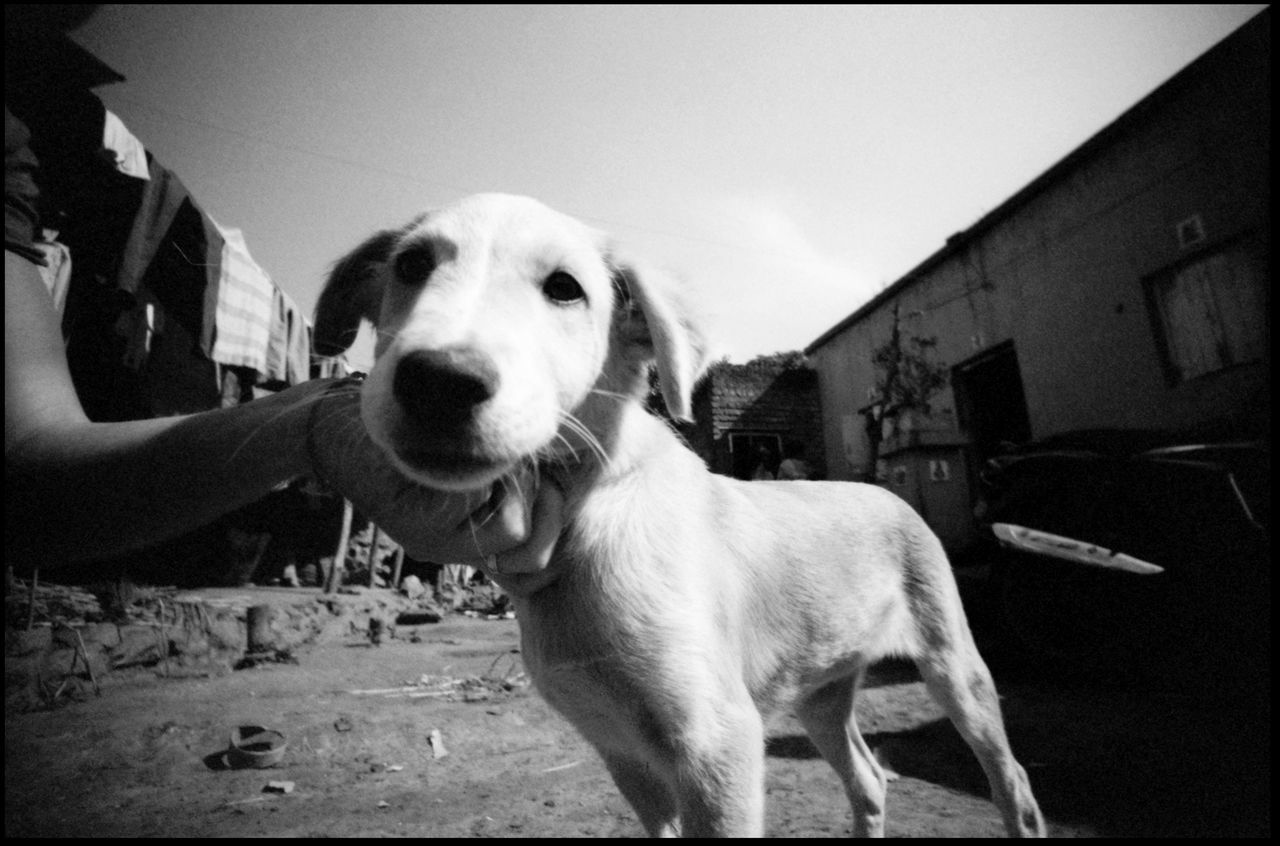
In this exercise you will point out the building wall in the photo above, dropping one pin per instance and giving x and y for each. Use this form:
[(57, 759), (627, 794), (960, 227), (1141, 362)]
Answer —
[(766, 398), (1062, 270)]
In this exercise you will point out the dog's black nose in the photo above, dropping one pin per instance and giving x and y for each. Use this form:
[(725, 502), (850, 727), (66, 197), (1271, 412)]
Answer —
[(443, 387)]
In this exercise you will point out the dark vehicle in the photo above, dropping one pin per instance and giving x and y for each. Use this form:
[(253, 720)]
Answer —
[(1132, 552)]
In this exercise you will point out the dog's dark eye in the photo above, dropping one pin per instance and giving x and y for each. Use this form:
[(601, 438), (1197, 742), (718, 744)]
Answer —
[(414, 265), (560, 287)]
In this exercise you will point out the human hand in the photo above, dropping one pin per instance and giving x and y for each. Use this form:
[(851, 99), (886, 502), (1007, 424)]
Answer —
[(509, 530), (526, 569)]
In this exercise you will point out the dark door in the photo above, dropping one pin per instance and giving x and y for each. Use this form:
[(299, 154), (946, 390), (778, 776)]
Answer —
[(991, 402)]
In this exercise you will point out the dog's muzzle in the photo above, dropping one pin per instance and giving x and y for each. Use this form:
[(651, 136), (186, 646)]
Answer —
[(442, 395), (441, 390)]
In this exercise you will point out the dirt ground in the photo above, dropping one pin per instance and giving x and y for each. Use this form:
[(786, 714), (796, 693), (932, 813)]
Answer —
[(146, 757)]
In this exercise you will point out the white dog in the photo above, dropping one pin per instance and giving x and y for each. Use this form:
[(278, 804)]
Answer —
[(689, 604)]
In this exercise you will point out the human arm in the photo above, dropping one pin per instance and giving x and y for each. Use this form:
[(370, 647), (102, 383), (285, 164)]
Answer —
[(79, 489), (76, 489)]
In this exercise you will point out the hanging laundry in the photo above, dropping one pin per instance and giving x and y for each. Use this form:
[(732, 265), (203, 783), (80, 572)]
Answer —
[(182, 277), (130, 155), (161, 200), (246, 298), (56, 270), (289, 350), (139, 327)]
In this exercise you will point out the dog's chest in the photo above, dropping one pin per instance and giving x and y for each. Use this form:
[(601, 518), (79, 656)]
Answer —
[(621, 630), (599, 671)]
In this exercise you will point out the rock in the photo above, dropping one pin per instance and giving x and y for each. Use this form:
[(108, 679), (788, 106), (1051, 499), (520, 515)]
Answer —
[(412, 587), (437, 744)]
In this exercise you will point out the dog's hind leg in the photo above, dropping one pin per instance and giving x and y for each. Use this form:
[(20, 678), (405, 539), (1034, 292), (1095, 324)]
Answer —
[(959, 679), (827, 715), (646, 791)]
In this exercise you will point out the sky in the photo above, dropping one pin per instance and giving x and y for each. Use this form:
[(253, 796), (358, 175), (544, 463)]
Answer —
[(786, 162)]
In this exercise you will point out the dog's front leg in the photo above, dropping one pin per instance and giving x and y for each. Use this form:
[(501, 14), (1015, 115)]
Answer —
[(720, 777)]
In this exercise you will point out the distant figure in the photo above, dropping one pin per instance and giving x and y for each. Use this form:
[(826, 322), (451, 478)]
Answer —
[(764, 462), (794, 466)]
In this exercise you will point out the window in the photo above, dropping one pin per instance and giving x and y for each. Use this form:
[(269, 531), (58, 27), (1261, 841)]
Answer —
[(1210, 312)]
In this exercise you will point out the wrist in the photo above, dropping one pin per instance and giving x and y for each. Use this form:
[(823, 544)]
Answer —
[(316, 419)]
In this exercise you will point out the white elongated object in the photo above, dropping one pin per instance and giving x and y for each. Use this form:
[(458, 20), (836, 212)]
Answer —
[(1069, 549)]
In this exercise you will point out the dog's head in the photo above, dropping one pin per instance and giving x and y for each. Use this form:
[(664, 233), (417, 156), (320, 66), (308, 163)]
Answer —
[(504, 330)]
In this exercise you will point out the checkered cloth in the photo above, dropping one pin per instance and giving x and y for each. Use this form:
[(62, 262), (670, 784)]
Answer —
[(246, 301)]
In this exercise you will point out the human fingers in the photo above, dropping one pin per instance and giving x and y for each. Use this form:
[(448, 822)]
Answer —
[(527, 568)]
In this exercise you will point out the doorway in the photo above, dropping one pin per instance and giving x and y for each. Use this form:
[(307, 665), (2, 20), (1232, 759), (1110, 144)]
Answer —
[(990, 401)]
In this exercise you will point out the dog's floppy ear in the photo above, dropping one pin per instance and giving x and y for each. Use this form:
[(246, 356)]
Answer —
[(655, 317), (354, 290)]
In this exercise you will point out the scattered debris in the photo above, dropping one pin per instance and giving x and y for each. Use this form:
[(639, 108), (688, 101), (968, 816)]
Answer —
[(271, 656), (469, 689), (567, 766), (253, 800), (377, 691), (377, 629), (505, 615), (418, 617), (474, 597), (437, 744), (49, 602), (256, 746), (343, 723), (385, 768)]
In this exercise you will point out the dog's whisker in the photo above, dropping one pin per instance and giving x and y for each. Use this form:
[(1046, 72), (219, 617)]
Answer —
[(577, 427), (613, 395), (475, 538), (588, 437)]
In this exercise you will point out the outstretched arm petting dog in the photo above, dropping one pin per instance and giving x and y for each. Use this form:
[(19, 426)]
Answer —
[(79, 490)]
